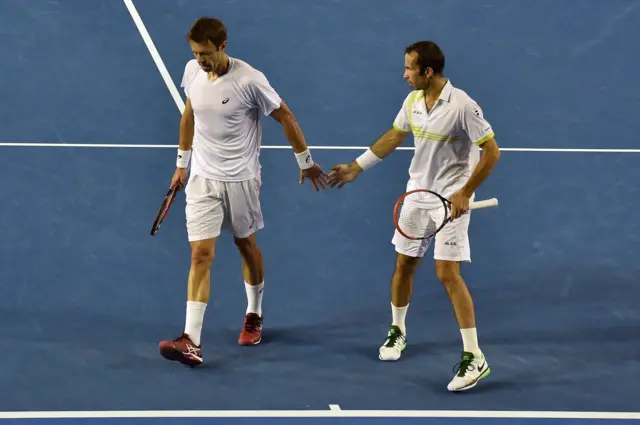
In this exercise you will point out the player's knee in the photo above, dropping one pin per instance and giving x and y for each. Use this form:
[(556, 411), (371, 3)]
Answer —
[(406, 266), (202, 253), (448, 273), (247, 246)]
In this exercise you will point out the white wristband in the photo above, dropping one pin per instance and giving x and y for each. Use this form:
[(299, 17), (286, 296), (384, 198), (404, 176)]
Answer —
[(304, 160), (368, 160), (183, 159)]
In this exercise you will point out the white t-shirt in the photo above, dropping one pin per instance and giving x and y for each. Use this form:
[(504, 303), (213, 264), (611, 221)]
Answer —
[(228, 113), (447, 139)]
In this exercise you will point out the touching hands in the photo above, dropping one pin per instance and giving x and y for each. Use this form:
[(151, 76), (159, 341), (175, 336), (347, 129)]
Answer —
[(343, 174), (316, 175)]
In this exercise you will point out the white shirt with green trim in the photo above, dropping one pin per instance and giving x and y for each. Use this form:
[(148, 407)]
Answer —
[(447, 139)]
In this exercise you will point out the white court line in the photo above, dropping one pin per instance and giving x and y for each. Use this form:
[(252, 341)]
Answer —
[(318, 414), (335, 407), (155, 55), (331, 148)]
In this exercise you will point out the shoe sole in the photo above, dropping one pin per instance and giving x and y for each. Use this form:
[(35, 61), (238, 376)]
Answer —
[(250, 344), (474, 383), (387, 360), (178, 356), (392, 360)]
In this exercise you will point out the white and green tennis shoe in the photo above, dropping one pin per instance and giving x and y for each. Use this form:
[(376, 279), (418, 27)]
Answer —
[(393, 345), (468, 372)]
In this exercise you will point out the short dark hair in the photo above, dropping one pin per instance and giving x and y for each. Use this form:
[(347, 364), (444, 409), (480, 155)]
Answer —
[(208, 29), (429, 56)]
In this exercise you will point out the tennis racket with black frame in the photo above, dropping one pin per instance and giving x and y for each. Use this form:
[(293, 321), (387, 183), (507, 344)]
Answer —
[(420, 214), (164, 209)]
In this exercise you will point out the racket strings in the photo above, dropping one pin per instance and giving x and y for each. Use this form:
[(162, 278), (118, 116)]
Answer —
[(420, 214)]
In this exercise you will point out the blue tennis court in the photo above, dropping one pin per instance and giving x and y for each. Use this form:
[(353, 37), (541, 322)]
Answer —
[(89, 123)]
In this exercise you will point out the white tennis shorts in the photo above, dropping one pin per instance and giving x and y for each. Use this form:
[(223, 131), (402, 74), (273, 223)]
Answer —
[(451, 243), (214, 206)]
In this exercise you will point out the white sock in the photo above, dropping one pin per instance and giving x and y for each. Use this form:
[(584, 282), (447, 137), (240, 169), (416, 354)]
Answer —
[(470, 342), (399, 314), (254, 298), (193, 322)]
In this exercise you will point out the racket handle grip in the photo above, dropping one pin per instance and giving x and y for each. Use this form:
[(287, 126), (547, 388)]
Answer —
[(487, 203)]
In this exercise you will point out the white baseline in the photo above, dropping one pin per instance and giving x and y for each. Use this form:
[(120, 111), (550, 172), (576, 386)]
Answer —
[(319, 413)]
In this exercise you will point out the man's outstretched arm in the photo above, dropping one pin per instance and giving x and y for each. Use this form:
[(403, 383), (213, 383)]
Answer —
[(384, 146)]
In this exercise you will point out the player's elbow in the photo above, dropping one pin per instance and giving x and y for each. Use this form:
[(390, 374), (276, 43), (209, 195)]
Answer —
[(288, 119), (494, 155)]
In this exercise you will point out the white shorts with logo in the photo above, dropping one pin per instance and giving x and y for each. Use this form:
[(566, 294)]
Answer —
[(213, 206), (451, 243)]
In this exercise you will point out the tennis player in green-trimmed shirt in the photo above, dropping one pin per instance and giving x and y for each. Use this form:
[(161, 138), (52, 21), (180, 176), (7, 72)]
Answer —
[(449, 130)]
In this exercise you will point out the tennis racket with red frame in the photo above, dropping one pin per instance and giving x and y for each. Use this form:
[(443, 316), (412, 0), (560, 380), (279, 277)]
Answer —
[(164, 209), (421, 213)]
